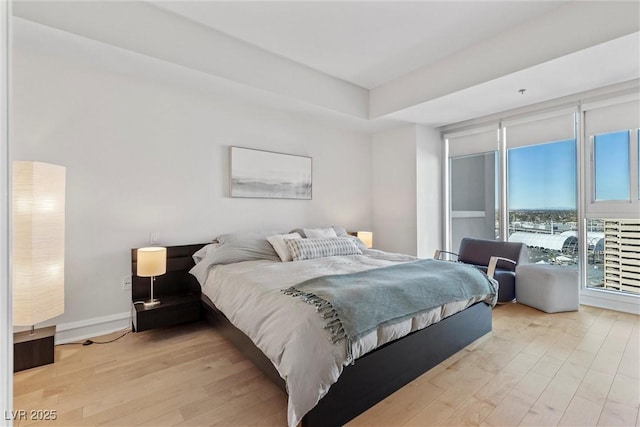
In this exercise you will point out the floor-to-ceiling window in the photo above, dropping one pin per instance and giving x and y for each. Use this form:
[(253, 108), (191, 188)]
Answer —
[(571, 189), (542, 186), (542, 211), (473, 197), (473, 185), (612, 205)]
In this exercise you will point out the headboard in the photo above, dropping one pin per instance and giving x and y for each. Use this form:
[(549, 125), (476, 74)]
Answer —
[(177, 279)]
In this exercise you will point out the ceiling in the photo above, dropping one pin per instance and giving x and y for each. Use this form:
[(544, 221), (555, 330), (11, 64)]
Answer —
[(364, 43), (365, 65), (372, 43), (568, 75)]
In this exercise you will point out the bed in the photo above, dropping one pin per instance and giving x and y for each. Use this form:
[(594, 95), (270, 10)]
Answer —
[(384, 360)]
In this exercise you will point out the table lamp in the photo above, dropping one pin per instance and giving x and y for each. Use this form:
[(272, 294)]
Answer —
[(366, 237), (151, 262)]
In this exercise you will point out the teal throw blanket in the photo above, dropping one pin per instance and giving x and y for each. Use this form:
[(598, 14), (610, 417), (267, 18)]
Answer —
[(356, 304)]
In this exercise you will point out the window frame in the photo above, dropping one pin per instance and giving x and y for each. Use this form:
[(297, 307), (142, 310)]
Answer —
[(453, 214), (450, 152), (608, 114), (612, 208)]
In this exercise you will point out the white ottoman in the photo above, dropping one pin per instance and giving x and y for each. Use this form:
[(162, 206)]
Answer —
[(547, 287)]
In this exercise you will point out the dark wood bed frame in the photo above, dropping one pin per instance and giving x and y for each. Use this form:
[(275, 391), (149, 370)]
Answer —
[(373, 377)]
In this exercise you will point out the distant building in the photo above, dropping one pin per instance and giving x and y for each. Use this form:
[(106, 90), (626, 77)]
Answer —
[(622, 255), (567, 244), (595, 239)]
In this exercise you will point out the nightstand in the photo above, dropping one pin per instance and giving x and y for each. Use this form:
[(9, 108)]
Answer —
[(173, 310), (178, 291)]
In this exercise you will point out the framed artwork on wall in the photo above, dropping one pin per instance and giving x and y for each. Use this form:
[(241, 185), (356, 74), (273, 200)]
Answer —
[(266, 174)]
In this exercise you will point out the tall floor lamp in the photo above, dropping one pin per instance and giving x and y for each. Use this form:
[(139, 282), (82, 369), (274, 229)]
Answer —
[(38, 223)]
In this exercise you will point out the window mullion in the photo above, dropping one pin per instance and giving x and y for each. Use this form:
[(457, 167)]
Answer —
[(633, 166), (446, 196), (583, 163), (502, 185)]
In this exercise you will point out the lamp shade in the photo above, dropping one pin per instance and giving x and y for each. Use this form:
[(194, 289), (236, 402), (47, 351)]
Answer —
[(366, 237), (38, 199), (152, 261)]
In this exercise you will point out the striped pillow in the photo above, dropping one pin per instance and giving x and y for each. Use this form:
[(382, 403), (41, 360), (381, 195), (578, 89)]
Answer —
[(301, 249)]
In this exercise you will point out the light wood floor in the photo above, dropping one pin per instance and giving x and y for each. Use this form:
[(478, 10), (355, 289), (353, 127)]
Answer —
[(534, 369)]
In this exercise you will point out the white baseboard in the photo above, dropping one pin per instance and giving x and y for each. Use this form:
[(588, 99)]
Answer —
[(611, 301), (90, 328)]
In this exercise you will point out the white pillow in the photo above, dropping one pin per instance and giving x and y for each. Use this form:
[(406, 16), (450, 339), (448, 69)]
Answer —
[(314, 233), (280, 246)]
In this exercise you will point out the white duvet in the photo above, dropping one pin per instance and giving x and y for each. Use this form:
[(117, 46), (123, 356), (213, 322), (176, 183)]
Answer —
[(289, 331)]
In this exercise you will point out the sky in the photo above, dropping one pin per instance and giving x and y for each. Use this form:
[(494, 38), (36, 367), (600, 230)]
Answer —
[(544, 176), (612, 166)]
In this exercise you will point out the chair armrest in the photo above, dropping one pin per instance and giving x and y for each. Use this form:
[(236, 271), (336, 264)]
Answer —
[(493, 261), (438, 252)]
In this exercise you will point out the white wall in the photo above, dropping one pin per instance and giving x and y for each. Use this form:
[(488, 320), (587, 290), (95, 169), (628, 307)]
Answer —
[(143, 157), (6, 339), (428, 191), (406, 188), (393, 184)]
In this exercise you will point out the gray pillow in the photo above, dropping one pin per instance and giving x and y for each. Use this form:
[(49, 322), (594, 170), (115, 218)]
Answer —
[(204, 252), (340, 231), (320, 232), (244, 246), (300, 231), (359, 243)]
